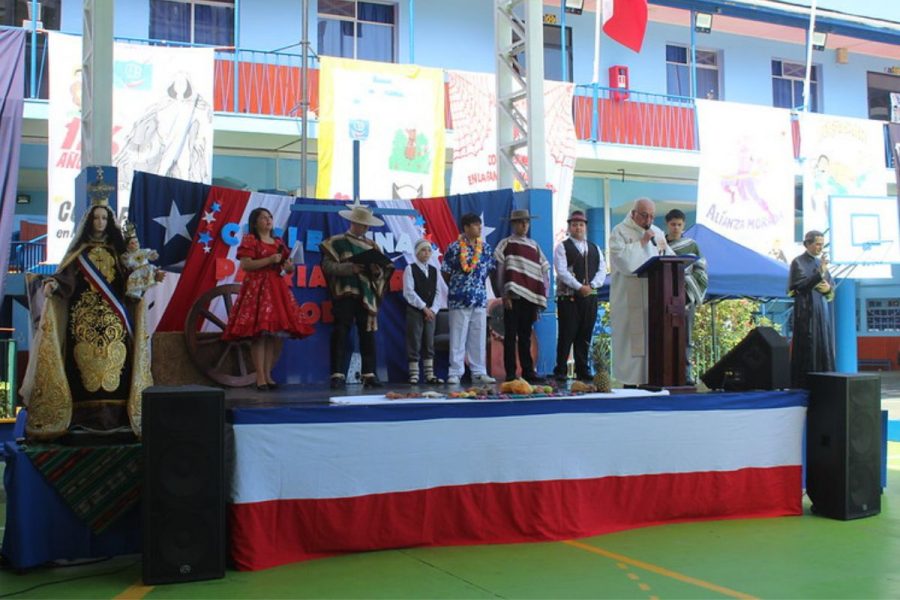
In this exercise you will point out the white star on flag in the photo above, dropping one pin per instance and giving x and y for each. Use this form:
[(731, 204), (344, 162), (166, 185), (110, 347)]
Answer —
[(209, 217), (175, 224), (485, 230)]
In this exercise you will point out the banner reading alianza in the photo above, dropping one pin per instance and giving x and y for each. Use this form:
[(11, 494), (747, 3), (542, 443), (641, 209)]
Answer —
[(473, 108), (746, 185), (397, 113), (162, 122)]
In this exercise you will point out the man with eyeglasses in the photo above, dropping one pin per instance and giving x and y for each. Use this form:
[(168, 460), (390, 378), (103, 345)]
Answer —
[(631, 243)]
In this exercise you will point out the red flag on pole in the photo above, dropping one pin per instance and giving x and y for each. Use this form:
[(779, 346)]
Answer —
[(625, 21)]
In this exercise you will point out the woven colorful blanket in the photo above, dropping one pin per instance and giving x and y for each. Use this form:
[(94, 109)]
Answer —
[(99, 483)]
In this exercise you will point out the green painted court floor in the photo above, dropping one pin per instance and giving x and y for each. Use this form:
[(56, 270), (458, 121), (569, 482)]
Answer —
[(789, 557)]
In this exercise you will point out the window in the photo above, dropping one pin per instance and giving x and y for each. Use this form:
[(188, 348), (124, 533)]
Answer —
[(207, 22), (882, 314), (881, 86), (553, 53), (362, 30), (14, 12), (787, 85), (678, 72)]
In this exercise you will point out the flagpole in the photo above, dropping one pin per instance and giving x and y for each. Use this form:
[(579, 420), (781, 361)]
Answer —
[(598, 21), (809, 44)]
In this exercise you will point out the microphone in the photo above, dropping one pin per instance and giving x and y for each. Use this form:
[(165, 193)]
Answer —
[(653, 241)]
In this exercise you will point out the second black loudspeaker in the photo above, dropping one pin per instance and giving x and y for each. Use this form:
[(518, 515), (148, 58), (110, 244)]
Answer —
[(843, 444), (761, 361), (184, 484)]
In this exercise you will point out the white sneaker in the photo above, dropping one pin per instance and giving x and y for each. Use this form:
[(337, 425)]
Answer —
[(453, 380), (483, 378)]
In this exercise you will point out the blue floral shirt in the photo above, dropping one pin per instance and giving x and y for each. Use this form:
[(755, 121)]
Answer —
[(467, 290)]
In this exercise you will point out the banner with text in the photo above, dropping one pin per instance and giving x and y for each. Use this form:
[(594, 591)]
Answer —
[(162, 122), (397, 114), (746, 185), (473, 109)]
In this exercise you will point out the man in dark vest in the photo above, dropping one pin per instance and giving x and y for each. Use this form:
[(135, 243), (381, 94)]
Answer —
[(580, 270)]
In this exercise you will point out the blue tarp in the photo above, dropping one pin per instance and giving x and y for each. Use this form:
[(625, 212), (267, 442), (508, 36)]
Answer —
[(735, 271)]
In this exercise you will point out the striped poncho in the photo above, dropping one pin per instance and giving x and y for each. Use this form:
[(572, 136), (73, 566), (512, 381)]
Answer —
[(696, 279), (368, 286), (523, 269)]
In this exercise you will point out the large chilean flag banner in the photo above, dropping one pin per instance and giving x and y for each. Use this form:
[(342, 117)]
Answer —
[(315, 481), (196, 229)]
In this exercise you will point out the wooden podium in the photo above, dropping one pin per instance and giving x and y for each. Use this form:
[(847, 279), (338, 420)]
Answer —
[(667, 327)]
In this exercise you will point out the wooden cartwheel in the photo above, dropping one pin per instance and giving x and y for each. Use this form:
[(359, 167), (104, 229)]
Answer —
[(225, 362)]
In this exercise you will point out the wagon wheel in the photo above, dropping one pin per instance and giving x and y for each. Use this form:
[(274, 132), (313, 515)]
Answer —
[(225, 362)]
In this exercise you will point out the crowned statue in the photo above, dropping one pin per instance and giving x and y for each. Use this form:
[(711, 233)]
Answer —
[(90, 359)]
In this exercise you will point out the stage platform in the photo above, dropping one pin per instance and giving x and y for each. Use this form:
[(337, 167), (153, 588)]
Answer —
[(308, 478), (312, 479)]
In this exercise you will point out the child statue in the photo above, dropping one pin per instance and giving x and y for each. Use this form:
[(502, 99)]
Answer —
[(137, 260)]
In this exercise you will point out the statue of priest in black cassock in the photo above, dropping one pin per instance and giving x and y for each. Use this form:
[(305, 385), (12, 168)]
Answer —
[(812, 287)]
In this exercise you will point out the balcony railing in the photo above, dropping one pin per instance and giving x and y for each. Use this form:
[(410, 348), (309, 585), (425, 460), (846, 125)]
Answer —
[(26, 256), (618, 116), (268, 83)]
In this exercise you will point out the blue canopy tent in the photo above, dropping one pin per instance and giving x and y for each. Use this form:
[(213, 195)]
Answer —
[(735, 271)]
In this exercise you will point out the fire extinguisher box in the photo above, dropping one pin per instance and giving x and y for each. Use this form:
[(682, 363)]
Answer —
[(618, 80)]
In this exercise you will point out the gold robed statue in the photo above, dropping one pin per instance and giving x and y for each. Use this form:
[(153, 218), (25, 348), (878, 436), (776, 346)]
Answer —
[(90, 358)]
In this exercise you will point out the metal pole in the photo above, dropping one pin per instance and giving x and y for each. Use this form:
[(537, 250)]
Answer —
[(598, 21), (237, 47), (562, 40), (693, 55), (809, 45), (412, 35), (304, 100), (356, 170), (32, 89)]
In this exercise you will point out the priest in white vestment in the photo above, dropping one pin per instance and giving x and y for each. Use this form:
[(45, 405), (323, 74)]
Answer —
[(631, 243)]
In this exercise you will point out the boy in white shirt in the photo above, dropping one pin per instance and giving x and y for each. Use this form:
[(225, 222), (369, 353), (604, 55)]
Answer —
[(420, 290)]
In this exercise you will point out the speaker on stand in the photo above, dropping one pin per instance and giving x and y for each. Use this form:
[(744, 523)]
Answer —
[(184, 484), (843, 444), (761, 361)]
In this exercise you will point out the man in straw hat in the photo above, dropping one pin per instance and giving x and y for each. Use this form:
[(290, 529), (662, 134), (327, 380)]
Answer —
[(523, 276), (580, 271), (356, 289)]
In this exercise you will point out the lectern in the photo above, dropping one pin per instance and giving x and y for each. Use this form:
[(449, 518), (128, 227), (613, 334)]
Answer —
[(667, 326)]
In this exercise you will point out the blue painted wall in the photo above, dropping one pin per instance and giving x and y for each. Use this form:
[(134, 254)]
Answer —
[(462, 38)]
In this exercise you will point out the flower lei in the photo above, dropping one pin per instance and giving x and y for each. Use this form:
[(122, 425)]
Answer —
[(469, 257)]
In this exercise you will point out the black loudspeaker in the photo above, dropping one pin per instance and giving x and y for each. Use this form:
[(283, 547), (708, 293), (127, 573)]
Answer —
[(843, 445), (761, 361), (184, 484)]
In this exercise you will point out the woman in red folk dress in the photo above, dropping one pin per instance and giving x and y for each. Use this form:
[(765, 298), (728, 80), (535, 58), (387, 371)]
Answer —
[(265, 311)]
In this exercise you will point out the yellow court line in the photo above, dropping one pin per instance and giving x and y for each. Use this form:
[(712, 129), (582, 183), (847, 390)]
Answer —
[(660, 570), (135, 591)]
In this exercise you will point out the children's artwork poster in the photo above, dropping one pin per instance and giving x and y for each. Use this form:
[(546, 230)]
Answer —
[(840, 156), (746, 184), (396, 113), (162, 122)]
